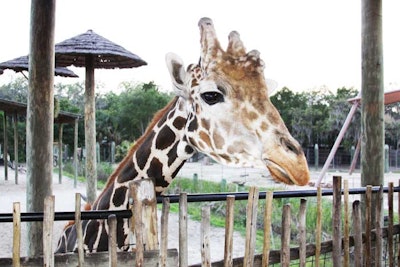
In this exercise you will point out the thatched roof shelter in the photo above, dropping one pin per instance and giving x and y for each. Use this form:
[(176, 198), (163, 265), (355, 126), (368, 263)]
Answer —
[(92, 51), (21, 64), (107, 55)]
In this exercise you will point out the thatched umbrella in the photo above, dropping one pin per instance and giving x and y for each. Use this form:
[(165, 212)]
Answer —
[(21, 64), (92, 51)]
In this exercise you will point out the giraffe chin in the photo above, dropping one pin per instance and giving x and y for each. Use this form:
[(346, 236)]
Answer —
[(279, 174)]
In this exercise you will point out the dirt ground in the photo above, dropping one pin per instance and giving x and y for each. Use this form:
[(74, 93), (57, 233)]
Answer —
[(65, 197)]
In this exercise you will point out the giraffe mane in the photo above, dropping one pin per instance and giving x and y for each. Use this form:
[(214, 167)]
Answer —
[(137, 144)]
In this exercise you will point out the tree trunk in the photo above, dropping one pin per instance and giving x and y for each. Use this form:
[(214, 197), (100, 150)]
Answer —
[(372, 98), (39, 127)]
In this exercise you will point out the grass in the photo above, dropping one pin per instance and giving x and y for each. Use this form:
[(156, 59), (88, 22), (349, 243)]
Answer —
[(217, 216)]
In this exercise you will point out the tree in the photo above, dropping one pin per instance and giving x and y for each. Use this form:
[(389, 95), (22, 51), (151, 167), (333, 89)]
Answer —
[(16, 90), (136, 107)]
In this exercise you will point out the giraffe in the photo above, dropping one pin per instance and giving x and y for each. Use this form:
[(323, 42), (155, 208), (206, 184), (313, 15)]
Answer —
[(222, 109)]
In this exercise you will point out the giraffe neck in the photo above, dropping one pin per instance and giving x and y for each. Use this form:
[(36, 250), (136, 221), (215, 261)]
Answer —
[(158, 154)]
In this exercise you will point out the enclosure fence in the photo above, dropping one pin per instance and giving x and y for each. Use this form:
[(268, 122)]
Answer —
[(356, 239)]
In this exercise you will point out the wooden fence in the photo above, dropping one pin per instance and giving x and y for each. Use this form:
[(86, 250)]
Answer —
[(363, 248)]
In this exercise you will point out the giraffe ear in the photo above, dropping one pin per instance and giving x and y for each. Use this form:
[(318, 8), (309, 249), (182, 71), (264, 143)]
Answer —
[(177, 71)]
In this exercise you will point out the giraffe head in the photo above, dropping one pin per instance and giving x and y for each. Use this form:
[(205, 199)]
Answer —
[(230, 116)]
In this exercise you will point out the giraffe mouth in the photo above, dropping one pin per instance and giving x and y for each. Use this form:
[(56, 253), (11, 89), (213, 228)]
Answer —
[(278, 173)]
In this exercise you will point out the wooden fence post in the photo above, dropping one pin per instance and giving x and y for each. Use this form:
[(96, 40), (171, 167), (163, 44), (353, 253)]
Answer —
[(251, 225), (16, 234), (357, 228), (229, 222), (267, 228), (79, 231), (346, 234), (205, 237), (398, 214), (378, 228), (337, 233), (368, 226), (183, 245), (390, 225), (285, 237), (112, 240), (318, 229), (48, 221), (145, 214), (302, 232), (164, 232)]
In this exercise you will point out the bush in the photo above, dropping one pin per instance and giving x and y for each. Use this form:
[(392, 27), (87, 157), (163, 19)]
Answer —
[(104, 170), (122, 149)]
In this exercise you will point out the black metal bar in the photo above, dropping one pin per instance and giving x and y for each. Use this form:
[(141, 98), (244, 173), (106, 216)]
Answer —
[(103, 214)]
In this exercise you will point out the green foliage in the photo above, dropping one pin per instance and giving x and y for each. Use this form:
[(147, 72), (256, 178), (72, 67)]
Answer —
[(104, 170), (316, 117), (16, 90), (122, 149)]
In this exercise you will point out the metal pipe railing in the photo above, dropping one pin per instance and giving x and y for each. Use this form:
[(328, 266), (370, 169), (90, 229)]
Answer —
[(103, 214)]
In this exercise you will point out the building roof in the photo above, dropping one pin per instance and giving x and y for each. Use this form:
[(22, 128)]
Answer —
[(11, 107)]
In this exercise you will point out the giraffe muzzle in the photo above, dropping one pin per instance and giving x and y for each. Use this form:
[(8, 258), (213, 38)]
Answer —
[(278, 173)]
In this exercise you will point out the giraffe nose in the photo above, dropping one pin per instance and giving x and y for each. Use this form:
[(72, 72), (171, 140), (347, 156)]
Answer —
[(291, 145)]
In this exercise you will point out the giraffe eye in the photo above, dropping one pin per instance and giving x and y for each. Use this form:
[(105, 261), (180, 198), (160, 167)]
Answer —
[(212, 98)]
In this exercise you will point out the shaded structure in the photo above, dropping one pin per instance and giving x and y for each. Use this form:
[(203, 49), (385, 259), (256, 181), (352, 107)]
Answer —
[(92, 51), (14, 109), (21, 64)]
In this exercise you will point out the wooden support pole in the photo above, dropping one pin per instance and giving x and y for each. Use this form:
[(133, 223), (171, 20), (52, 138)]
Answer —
[(229, 222), (285, 238), (183, 242), (16, 234), (16, 163), (76, 152), (90, 131), (302, 232), (48, 221), (372, 97), (267, 228), (164, 232), (205, 237), (79, 230), (112, 240), (318, 228), (251, 226), (5, 152), (40, 117), (60, 150), (357, 228)]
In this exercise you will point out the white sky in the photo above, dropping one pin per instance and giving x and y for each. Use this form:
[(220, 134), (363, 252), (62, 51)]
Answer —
[(305, 44)]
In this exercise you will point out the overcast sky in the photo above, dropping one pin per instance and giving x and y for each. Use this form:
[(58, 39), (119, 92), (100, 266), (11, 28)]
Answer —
[(305, 44)]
